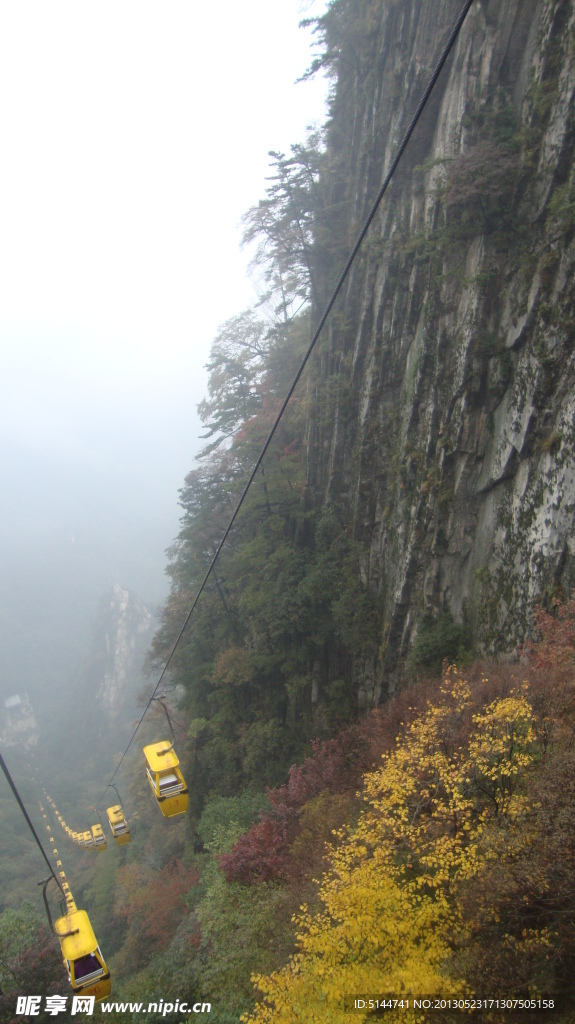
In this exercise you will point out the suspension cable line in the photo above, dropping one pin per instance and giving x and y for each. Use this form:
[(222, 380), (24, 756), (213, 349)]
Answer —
[(366, 225), (20, 803)]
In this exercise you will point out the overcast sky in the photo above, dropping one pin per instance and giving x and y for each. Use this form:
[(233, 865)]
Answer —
[(134, 136)]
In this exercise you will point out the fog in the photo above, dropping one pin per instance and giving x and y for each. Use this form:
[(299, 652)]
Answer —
[(134, 137)]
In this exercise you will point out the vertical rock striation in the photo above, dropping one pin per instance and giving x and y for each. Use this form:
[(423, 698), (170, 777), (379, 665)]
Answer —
[(443, 394), (123, 632)]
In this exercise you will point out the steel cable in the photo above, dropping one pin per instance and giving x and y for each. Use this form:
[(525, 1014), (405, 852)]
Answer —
[(20, 803)]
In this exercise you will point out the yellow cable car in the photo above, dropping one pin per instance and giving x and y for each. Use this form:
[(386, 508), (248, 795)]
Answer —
[(166, 780), (83, 960), (99, 837), (118, 824), (88, 839)]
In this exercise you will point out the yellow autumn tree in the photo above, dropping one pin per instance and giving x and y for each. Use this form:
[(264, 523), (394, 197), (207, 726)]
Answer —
[(390, 919)]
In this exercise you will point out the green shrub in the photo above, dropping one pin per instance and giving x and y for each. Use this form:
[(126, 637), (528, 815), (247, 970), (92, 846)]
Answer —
[(439, 638)]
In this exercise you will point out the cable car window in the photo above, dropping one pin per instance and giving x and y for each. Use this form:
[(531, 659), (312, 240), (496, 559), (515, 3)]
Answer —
[(169, 780), (85, 966)]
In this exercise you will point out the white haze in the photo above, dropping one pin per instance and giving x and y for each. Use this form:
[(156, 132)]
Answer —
[(134, 136)]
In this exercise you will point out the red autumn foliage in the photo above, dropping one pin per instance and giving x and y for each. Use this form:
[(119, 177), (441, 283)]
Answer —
[(318, 820), (279, 844), (260, 854), (529, 891), (555, 647), (36, 968), (160, 906), (336, 766), (153, 908)]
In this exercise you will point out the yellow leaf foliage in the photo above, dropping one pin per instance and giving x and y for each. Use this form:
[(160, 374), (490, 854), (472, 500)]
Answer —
[(390, 920)]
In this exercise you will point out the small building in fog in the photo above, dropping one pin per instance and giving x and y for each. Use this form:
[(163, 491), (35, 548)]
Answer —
[(20, 725)]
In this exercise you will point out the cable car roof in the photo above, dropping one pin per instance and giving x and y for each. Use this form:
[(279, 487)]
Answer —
[(115, 813), (159, 761), (80, 944)]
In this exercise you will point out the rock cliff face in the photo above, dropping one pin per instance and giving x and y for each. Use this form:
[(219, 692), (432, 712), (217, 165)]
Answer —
[(444, 400), (121, 637)]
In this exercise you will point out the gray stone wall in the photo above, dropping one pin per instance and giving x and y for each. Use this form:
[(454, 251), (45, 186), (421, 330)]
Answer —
[(443, 394)]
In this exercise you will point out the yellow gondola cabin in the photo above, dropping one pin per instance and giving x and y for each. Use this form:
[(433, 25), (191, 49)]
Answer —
[(83, 960), (166, 780), (118, 824), (99, 837)]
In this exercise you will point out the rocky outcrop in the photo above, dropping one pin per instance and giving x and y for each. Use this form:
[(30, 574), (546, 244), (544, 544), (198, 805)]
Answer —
[(123, 632), (443, 412)]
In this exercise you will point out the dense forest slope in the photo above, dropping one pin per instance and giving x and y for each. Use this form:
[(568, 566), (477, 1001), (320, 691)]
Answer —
[(442, 414)]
